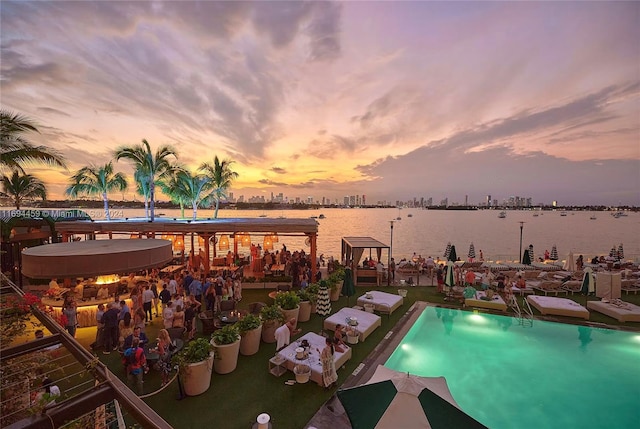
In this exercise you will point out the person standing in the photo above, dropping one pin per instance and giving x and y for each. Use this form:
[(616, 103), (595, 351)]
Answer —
[(392, 270), (379, 273), (147, 302), (71, 314), (136, 364), (110, 333), (329, 375), (167, 316), (165, 296), (100, 331)]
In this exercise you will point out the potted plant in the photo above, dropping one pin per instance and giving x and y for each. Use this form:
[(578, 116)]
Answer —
[(313, 290), (334, 282), (304, 314), (272, 319), (226, 343), (195, 362), (289, 304), (250, 328)]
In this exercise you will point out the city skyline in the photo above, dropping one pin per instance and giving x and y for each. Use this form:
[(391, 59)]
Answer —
[(391, 100)]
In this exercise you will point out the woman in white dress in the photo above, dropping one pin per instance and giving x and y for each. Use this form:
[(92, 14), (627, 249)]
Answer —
[(329, 375)]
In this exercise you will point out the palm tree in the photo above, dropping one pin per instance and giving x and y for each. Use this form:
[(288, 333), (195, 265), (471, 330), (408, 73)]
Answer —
[(21, 187), (152, 167), (94, 180), (221, 176), (15, 150), (175, 189), (142, 188), (194, 189)]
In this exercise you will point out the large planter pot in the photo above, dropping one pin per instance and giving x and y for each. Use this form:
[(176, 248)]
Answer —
[(196, 377), (269, 331), (226, 359), (305, 311), (250, 342), (334, 293), (292, 314)]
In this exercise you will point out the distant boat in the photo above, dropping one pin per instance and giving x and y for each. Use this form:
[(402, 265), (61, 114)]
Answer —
[(593, 217), (263, 215), (282, 217), (313, 217), (563, 213), (159, 214), (398, 218), (321, 216), (502, 215), (535, 215), (618, 214), (409, 215)]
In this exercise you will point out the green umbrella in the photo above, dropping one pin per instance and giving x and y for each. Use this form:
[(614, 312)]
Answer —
[(526, 258), (588, 285), (452, 254), (392, 399), (449, 277), (348, 288)]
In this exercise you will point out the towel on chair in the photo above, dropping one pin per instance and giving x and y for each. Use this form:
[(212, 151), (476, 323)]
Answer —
[(283, 337)]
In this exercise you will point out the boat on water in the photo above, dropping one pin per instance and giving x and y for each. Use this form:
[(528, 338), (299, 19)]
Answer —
[(321, 216), (409, 215), (593, 217), (502, 215), (535, 215), (563, 213), (618, 214)]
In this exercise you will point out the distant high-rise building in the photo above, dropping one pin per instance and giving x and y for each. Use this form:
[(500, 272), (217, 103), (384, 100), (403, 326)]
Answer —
[(466, 200), (489, 200), (364, 200)]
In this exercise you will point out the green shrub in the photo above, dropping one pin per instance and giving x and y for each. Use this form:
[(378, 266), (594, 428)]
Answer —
[(287, 300), (271, 313), (226, 335), (193, 352), (248, 323)]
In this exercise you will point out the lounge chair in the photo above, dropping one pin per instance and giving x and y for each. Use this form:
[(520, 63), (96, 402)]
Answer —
[(572, 286), (630, 286), (558, 306), (549, 287), (617, 309)]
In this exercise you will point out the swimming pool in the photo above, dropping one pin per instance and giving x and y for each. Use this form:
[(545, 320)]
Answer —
[(548, 375)]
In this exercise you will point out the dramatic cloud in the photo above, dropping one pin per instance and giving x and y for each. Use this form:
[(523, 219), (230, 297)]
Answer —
[(328, 98)]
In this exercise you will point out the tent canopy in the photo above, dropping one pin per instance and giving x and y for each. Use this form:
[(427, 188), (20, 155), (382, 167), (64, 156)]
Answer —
[(353, 248)]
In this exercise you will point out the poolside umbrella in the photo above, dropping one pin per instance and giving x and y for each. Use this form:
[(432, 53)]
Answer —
[(447, 251), (620, 252), (526, 258), (472, 253), (392, 399), (348, 288), (569, 264), (588, 285), (452, 254), (449, 279), (323, 304), (613, 252), (554, 253), (531, 254)]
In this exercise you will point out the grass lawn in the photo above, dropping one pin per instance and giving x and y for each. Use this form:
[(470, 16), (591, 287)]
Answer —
[(235, 400)]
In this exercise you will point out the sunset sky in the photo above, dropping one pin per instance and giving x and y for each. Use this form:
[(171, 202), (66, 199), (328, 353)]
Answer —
[(394, 100)]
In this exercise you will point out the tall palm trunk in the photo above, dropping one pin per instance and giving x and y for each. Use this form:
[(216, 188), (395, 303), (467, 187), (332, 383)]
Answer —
[(215, 214), (181, 209), (152, 196), (194, 205), (17, 201), (146, 207), (106, 206)]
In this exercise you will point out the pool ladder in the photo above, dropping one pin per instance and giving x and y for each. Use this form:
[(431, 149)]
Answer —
[(525, 314)]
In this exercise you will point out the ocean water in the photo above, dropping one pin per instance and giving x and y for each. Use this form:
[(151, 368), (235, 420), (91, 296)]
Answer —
[(506, 375), (427, 232)]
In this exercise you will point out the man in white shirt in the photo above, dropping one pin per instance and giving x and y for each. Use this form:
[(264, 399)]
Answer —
[(379, 273), (53, 284), (172, 286), (147, 301)]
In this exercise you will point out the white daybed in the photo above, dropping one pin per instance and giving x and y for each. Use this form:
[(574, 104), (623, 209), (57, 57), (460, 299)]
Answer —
[(620, 310), (316, 342), (367, 322), (558, 306), (383, 302), (496, 302)]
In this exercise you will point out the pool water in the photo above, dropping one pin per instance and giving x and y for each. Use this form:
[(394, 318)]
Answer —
[(506, 375)]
